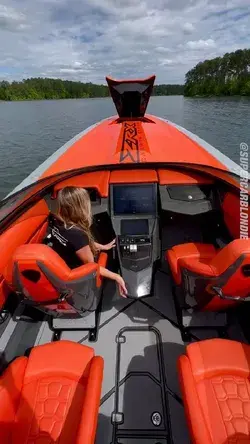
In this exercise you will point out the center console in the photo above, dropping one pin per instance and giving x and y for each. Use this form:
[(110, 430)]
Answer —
[(135, 221), (135, 244)]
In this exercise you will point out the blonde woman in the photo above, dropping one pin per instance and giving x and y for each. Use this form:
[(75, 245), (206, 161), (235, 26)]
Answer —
[(70, 233)]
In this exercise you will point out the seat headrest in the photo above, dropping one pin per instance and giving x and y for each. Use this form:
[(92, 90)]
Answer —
[(39, 253), (32, 254), (66, 358), (43, 254)]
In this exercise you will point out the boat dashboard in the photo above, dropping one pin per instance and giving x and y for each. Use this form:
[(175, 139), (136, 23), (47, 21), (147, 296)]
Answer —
[(128, 204), (184, 193)]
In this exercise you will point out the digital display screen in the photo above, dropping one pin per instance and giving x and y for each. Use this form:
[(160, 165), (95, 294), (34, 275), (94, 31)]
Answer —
[(133, 199), (134, 226)]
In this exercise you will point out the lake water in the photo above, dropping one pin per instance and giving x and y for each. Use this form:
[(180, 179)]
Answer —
[(32, 131)]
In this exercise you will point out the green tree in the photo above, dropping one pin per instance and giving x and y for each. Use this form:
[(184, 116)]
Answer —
[(227, 75), (46, 88)]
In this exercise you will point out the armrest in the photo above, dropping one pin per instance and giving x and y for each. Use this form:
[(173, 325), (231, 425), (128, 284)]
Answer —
[(92, 267), (102, 262), (82, 271)]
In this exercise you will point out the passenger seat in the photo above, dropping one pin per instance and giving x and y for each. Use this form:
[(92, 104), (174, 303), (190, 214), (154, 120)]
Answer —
[(51, 397), (214, 378)]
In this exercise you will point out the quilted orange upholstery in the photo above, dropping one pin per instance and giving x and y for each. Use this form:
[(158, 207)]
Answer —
[(51, 397), (214, 377)]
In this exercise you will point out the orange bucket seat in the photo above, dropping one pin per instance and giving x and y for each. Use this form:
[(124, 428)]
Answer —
[(47, 283), (215, 279), (214, 377), (52, 396)]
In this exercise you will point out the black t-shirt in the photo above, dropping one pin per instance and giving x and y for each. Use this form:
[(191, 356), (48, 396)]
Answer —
[(66, 241)]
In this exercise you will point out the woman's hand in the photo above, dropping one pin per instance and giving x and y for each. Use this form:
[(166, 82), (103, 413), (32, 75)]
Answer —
[(122, 287), (108, 246), (115, 277)]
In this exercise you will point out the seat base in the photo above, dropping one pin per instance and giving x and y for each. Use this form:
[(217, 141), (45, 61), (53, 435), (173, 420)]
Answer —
[(74, 324), (194, 319), (190, 320), (89, 323), (190, 323)]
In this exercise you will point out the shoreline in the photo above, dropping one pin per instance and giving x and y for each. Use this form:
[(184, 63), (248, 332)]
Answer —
[(108, 97), (80, 98), (216, 96)]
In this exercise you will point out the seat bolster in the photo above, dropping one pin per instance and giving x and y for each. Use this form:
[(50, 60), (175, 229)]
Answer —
[(11, 383), (197, 250), (197, 267), (194, 415), (173, 263), (65, 358), (40, 234), (214, 357), (88, 421)]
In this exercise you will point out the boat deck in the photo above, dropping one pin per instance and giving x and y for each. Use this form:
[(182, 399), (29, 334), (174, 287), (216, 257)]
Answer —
[(140, 341)]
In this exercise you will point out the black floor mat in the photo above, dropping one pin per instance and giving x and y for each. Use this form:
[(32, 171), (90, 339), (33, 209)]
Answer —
[(140, 399)]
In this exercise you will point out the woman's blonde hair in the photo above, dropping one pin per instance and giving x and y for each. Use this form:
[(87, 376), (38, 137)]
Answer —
[(74, 208)]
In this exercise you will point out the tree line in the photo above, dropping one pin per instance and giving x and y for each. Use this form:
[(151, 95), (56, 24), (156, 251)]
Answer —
[(222, 76), (46, 88)]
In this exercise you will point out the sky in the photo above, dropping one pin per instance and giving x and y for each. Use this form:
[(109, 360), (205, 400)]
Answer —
[(88, 39)]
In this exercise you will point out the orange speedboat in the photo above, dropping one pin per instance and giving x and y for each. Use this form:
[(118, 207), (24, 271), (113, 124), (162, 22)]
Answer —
[(175, 352)]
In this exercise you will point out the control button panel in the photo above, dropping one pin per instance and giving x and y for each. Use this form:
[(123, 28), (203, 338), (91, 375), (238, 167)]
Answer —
[(135, 252), (127, 240)]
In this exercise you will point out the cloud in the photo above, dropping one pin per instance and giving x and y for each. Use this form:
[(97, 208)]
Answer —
[(188, 28), (88, 39), (165, 62), (201, 44), (12, 20)]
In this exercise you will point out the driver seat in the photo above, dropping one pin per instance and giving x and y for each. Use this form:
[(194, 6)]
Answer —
[(47, 283)]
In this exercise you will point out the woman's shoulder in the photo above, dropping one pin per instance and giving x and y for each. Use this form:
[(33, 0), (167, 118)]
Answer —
[(76, 236), (72, 232), (56, 224), (56, 221)]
